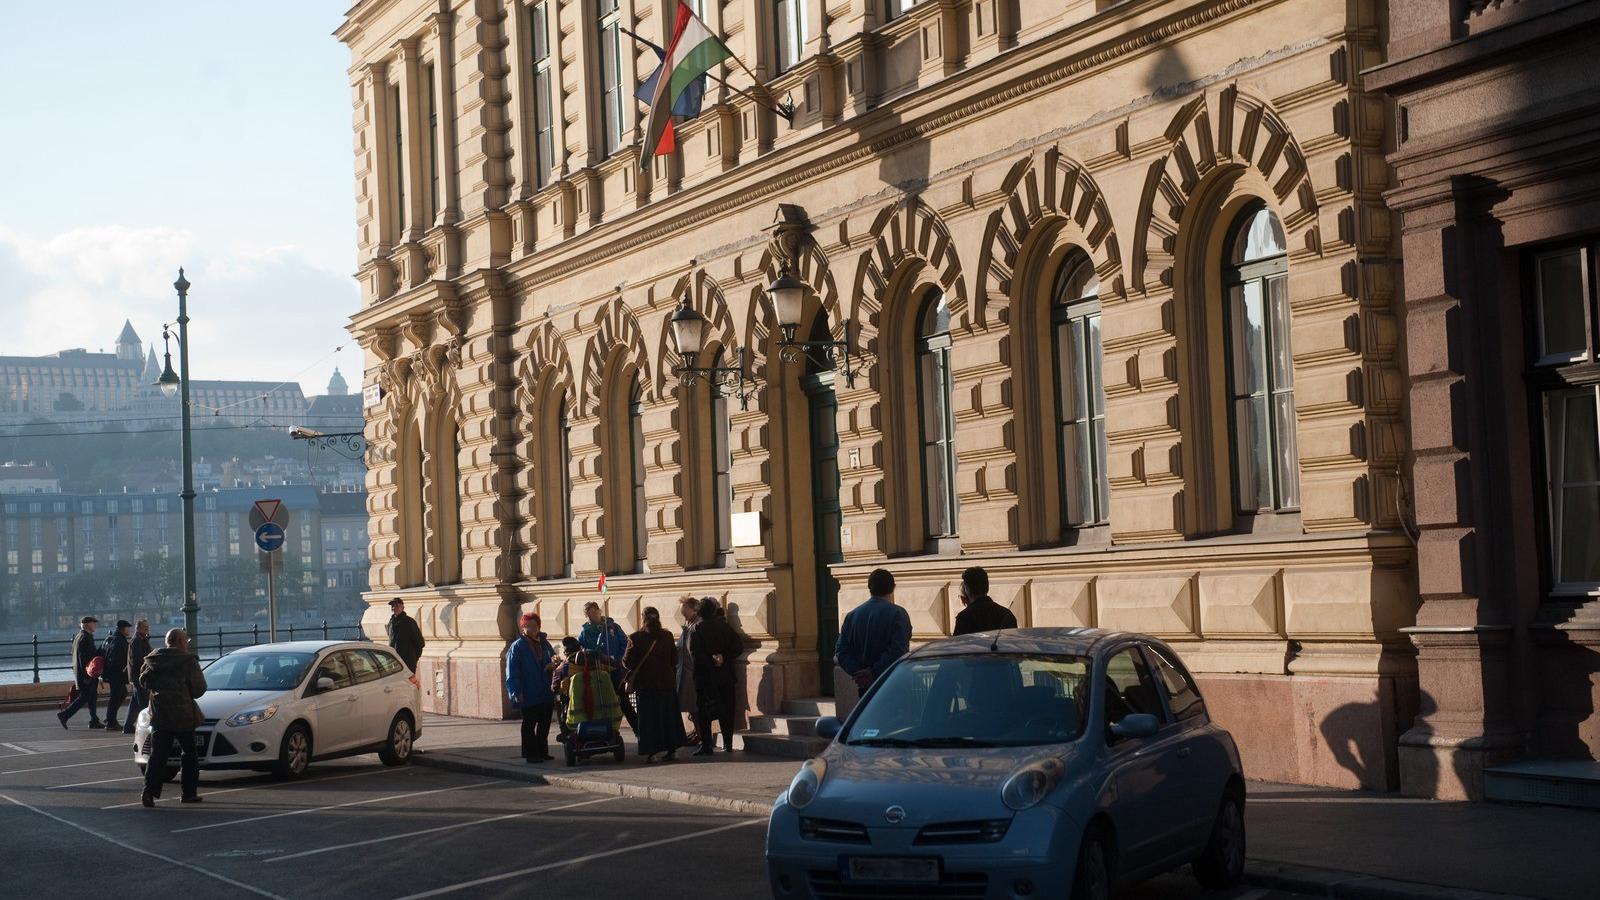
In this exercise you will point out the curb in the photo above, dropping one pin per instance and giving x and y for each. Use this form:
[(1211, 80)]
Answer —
[(450, 762), (1353, 885)]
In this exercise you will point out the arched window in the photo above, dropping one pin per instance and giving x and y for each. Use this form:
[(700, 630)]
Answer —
[(636, 466), (1080, 394), (548, 445), (937, 420), (409, 484), (563, 485), (1260, 364), (721, 482)]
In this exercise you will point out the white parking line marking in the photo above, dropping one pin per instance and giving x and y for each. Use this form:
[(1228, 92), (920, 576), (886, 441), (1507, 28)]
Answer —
[(1388, 801), (62, 787), (315, 809), (104, 762), (126, 846), (51, 747), (263, 787), (412, 834), (22, 750), (579, 860)]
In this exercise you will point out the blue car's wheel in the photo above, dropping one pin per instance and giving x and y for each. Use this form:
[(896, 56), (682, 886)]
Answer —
[(1092, 879), (1221, 865)]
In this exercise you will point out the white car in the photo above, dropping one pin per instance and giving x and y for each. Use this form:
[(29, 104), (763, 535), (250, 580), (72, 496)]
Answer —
[(278, 707)]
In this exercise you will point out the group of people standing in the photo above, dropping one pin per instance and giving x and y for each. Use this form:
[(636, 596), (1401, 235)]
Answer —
[(878, 632), (690, 673), (118, 662)]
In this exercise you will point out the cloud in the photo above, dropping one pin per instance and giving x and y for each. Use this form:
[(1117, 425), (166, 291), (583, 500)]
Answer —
[(267, 313)]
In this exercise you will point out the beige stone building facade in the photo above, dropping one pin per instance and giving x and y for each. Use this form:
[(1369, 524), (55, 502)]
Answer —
[(1117, 284)]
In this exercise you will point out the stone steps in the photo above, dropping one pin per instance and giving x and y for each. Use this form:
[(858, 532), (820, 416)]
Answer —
[(1547, 782), (791, 734)]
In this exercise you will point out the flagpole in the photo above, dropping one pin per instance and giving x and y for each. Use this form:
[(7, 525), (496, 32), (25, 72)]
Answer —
[(785, 110)]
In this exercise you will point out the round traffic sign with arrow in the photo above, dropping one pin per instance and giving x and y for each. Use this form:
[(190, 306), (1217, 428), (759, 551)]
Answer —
[(269, 537)]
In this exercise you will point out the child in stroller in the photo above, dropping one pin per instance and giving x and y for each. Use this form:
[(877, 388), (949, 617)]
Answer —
[(594, 716), (559, 680)]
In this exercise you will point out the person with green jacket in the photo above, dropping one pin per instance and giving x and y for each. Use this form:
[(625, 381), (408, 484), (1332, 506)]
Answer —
[(172, 679)]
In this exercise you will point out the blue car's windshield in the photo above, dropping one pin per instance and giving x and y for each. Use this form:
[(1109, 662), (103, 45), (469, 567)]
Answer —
[(981, 700), (258, 670)]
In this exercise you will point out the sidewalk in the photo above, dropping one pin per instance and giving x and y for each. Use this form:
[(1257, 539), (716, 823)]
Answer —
[(1315, 841)]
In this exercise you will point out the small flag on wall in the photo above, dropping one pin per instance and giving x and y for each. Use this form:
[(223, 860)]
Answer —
[(602, 584)]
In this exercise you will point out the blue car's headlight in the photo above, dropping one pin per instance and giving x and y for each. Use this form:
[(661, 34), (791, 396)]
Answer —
[(239, 720), (807, 782), (1031, 783)]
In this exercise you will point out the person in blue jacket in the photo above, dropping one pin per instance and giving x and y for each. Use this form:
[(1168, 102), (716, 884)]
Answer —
[(601, 635), (874, 634), (528, 668)]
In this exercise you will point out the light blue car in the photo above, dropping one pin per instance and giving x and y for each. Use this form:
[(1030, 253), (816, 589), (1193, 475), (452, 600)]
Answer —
[(1042, 762)]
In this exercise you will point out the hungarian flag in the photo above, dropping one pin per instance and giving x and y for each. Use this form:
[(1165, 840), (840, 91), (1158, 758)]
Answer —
[(691, 53), (602, 584)]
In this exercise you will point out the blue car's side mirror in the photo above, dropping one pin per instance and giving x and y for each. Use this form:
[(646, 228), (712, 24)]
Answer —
[(828, 727), (1136, 725)]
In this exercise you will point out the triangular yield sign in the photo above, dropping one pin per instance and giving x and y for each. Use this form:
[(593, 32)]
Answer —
[(268, 508)]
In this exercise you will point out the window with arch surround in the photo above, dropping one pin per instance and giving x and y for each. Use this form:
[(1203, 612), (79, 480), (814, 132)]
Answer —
[(564, 483), (636, 464), (721, 471), (937, 419), (1080, 394), (1266, 472)]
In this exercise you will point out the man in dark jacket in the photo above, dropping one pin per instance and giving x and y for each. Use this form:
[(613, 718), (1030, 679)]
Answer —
[(172, 678), (874, 634), (138, 649), (115, 652), (83, 651), (405, 635), (981, 613), (716, 648)]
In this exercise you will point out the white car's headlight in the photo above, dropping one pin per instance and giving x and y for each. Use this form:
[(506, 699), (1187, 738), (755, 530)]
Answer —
[(807, 782), (1031, 783), (239, 720)]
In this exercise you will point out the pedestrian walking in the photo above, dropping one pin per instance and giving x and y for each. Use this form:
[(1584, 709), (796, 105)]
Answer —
[(874, 634), (405, 635), (138, 649), (979, 612), (88, 686), (115, 652), (687, 607), (603, 637), (716, 647), (652, 663), (529, 665), (172, 679)]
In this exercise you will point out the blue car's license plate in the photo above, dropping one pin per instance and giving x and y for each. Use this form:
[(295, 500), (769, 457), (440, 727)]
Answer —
[(892, 868)]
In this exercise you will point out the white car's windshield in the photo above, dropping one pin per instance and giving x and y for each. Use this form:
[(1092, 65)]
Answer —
[(258, 670), (982, 700)]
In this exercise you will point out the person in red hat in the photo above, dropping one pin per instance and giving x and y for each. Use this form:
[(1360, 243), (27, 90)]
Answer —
[(528, 666)]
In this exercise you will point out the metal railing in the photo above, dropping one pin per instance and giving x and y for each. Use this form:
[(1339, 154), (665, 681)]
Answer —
[(39, 656)]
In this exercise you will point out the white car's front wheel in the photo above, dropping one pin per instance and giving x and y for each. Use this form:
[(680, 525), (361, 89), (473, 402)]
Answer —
[(294, 755), (402, 739)]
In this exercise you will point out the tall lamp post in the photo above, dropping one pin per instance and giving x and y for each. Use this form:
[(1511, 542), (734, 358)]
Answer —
[(171, 383)]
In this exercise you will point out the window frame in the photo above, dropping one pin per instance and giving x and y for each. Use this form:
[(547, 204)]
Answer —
[(1543, 357), (429, 73), (608, 21), (1263, 272), (398, 145), (1077, 314), (936, 348), (638, 502), (720, 423), (539, 70), (792, 13)]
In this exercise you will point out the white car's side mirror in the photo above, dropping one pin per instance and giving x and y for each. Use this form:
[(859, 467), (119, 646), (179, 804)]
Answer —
[(325, 684)]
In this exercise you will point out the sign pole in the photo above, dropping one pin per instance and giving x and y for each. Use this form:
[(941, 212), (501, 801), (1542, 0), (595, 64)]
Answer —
[(272, 600)]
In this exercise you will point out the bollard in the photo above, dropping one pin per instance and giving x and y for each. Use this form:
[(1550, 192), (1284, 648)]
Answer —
[(324, 629), (36, 659)]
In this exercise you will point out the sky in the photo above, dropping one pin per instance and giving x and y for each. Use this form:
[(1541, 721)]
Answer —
[(138, 137)]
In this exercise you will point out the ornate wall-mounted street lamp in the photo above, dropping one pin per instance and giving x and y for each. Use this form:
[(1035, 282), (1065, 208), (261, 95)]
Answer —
[(787, 296), (689, 331)]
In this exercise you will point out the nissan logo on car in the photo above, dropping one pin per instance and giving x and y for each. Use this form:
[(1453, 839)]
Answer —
[(894, 815)]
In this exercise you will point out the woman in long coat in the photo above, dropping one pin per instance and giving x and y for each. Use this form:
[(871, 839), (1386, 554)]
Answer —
[(716, 651), (652, 663)]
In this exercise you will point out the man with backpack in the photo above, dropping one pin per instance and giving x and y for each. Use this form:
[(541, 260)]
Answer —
[(88, 686), (115, 671)]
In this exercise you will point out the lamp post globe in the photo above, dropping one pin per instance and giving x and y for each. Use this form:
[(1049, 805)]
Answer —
[(168, 382), (787, 295), (689, 330)]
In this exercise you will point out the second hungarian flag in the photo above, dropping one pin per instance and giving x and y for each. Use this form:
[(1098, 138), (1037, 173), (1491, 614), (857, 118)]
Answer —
[(692, 52)]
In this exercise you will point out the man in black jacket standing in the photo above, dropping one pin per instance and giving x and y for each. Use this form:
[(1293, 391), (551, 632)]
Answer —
[(115, 652), (83, 650), (138, 649), (981, 613), (405, 635)]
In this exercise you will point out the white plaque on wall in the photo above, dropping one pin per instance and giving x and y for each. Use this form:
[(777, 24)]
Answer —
[(747, 529)]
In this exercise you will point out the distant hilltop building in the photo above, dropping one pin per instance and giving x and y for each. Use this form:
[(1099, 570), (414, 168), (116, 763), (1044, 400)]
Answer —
[(79, 386)]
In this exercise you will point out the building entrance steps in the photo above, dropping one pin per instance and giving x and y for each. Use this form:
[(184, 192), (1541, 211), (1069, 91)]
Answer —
[(1555, 782), (791, 734), (1317, 841)]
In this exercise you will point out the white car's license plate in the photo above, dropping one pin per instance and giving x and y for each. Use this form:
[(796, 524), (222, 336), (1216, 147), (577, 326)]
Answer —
[(893, 868)]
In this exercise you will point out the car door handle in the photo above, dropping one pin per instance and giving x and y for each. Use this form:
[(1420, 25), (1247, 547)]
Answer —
[(1183, 752)]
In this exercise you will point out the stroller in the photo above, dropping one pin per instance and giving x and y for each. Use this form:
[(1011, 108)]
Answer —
[(593, 716)]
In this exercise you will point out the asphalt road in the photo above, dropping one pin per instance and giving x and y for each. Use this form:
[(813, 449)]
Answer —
[(70, 820)]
